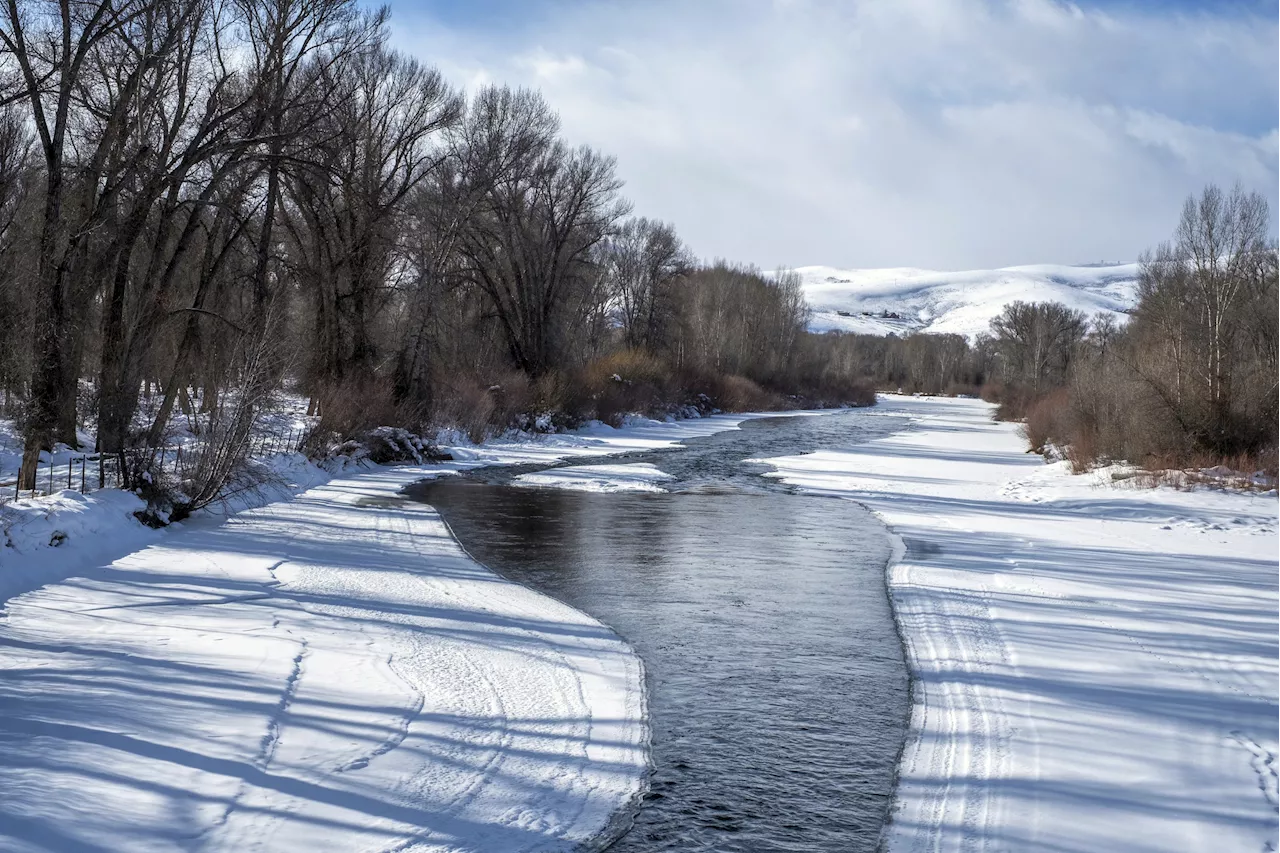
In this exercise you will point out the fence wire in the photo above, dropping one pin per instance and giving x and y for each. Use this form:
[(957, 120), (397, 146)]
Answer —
[(92, 471)]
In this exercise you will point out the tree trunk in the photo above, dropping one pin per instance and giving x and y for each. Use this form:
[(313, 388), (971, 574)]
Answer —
[(111, 405), (73, 352), (47, 377)]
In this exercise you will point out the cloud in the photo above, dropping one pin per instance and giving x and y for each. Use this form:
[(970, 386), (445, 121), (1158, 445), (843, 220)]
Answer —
[(936, 133)]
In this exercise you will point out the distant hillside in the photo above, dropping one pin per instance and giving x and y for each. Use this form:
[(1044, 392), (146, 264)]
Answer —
[(900, 300)]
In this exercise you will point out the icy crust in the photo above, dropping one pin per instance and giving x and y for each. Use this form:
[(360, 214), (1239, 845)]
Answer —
[(638, 477), (1095, 666)]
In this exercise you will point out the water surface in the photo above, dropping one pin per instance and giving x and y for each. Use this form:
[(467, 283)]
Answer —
[(777, 686)]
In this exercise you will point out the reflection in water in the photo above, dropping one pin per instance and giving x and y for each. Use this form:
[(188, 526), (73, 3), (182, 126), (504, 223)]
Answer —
[(777, 688)]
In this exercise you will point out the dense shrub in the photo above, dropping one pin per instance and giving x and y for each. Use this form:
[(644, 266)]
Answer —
[(740, 394), (625, 382), (354, 406), (1048, 419)]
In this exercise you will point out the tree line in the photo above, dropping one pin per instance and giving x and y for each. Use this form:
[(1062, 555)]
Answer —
[(205, 201), (1190, 377)]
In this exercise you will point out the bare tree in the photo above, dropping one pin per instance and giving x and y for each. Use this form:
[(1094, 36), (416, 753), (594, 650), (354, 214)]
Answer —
[(16, 181), (643, 263), (50, 45), (736, 320), (1205, 324), (346, 198), (1036, 341), (541, 208), (1219, 240)]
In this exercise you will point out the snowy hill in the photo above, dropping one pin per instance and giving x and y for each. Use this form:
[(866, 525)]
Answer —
[(904, 299)]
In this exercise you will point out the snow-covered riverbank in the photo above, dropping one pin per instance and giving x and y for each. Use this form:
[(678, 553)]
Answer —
[(328, 672), (1095, 665)]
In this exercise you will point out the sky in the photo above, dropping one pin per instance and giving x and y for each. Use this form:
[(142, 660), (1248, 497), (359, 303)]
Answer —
[(944, 134)]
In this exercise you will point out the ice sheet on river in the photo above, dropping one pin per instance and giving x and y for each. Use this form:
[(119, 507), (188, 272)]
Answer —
[(636, 477), (1096, 664)]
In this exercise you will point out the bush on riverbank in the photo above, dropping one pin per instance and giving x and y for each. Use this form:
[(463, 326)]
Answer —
[(1189, 384)]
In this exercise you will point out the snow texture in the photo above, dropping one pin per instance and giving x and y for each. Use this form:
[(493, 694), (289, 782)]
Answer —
[(901, 300), (327, 672), (1095, 665), (638, 477)]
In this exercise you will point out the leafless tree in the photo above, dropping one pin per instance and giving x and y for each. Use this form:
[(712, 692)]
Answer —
[(203, 201), (345, 212), (47, 48), (643, 263), (16, 182), (1035, 342), (1205, 319), (735, 320), (540, 210)]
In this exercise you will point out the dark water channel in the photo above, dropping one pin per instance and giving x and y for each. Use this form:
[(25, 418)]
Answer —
[(777, 686)]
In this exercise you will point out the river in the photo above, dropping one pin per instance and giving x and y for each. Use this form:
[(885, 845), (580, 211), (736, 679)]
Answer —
[(777, 688)]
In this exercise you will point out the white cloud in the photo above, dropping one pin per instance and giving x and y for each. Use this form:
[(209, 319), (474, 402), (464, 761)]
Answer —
[(946, 133)]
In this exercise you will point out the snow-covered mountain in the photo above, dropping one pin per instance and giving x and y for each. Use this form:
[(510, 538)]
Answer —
[(904, 299)]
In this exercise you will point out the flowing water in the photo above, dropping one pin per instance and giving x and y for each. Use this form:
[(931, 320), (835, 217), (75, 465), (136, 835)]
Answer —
[(778, 694)]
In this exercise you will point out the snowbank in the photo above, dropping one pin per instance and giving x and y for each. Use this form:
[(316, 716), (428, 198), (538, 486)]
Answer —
[(637, 434), (1095, 665), (326, 673), (639, 477), (45, 539), (89, 529)]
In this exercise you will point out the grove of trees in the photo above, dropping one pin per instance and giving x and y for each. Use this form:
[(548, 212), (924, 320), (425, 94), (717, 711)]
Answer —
[(1193, 374), (203, 202)]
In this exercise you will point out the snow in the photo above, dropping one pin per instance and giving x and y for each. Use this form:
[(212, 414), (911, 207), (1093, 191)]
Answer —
[(330, 672), (327, 672), (962, 303), (638, 477), (83, 529), (27, 525), (60, 462), (1095, 664), (283, 421)]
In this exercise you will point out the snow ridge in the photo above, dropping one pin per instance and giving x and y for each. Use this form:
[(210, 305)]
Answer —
[(902, 300), (633, 477)]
